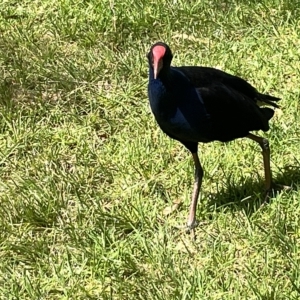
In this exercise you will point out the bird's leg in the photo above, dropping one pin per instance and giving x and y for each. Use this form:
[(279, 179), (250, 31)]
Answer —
[(192, 223), (269, 184), (264, 144)]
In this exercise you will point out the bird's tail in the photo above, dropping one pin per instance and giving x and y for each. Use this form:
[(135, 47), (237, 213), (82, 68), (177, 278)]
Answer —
[(264, 99), (268, 112)]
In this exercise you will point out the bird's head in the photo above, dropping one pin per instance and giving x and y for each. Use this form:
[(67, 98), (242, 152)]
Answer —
[(160, 57)]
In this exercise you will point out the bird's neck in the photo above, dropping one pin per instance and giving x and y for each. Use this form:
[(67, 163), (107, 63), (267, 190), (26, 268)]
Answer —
[(164, 75), (161, 100)]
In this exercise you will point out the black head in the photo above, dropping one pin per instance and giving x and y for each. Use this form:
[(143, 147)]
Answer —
[(160, 57)]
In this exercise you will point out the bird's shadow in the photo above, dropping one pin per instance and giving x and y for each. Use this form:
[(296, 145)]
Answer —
[(249, 195)]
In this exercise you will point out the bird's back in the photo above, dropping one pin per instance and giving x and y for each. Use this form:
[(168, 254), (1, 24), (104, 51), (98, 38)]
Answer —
[(206, 76)]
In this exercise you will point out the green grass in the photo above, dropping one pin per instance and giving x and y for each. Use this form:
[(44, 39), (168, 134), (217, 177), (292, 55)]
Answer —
[(86, 174)]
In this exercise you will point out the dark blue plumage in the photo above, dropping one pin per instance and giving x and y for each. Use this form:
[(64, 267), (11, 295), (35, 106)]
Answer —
[(179, 108), (201, 104)]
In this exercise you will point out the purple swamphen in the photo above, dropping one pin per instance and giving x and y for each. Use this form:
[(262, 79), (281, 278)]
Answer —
[(200, 104)]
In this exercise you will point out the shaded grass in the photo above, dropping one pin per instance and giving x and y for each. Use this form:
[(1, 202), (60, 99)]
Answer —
[(86, 173)]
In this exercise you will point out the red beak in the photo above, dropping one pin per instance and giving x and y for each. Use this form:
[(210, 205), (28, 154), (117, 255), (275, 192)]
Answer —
[(158, 53), (157, 66)]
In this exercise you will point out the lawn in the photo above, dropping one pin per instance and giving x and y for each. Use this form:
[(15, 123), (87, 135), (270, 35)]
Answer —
[(87, 176)]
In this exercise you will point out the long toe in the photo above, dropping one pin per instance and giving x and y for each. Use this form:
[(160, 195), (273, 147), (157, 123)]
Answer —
[(191, 225), (280, 187), (275, 188)]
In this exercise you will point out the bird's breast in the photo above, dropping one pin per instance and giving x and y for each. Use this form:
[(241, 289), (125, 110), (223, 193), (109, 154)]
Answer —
[(179, 110)]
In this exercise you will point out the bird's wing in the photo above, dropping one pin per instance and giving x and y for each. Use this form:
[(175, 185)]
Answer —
[(232, 113), (204, 76)]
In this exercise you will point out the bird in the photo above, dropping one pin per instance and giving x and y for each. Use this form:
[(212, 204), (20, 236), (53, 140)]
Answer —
[(199, 104)]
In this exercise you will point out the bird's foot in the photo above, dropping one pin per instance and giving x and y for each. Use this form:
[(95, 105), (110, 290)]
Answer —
[(190, 228), (191, 225), (275, 188), (281, 187)]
